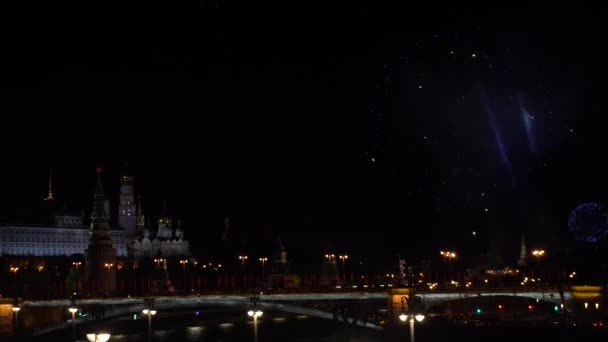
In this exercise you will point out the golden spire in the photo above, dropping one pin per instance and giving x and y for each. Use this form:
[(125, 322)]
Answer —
[(50, 196)]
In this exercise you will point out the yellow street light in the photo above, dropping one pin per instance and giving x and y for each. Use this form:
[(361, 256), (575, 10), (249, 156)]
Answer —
[(263, 261), (330, 257), (538, 253), (448, 255), (103, 337)]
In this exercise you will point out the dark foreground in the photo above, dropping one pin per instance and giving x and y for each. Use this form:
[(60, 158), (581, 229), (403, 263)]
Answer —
[(228, 325)]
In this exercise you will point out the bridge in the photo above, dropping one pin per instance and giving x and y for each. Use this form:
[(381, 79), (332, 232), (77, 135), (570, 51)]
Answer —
[(295, 303)]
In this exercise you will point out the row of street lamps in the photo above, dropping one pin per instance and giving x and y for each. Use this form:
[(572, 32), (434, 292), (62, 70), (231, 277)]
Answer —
[(149, 310)]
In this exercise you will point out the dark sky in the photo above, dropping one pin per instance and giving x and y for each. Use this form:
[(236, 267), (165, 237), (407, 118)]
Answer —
[(352, 124)]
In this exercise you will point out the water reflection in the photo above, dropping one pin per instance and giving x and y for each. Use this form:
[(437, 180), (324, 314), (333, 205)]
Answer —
[(194, 333), (6, 319)]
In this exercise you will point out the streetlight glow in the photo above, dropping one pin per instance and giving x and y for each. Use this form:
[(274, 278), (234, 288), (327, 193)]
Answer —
[(538, 253), (103, 337), (448, 255)]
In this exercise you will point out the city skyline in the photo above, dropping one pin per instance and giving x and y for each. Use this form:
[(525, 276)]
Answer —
[(417, 134)]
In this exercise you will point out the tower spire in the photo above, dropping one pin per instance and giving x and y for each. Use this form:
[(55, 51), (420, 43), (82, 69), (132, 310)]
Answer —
[(99, 218), (49, 196), (523, 255)]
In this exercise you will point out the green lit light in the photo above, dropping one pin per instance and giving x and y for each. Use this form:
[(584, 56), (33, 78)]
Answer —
[(478, 310)]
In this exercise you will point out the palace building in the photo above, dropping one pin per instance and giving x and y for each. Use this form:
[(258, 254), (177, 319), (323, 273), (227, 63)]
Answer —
[(67, 234)]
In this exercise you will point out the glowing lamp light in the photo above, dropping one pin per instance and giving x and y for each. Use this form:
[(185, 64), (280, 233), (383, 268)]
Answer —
[(530, 307), (153, 312), (73, 310), (478, 310), (250, 313), (16, 309), (403, 317), (500, 306), (98, 337), (145, 311), (556, 308), (419, 317)]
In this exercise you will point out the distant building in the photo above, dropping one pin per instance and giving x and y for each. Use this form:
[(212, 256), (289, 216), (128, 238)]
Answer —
[(166, 242), (67, 233)]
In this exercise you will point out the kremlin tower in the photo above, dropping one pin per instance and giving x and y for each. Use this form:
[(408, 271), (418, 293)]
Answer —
[(100, 256)]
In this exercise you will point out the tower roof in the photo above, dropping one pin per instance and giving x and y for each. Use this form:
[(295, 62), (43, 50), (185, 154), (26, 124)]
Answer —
[(164, 214), (99, 218), (49, 196)]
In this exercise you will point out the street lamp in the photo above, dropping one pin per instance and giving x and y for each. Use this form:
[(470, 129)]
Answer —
[(73, 309), (242, 258), (76, 264), (16, 317), (263, 261), (103, 337), (411, 317), (538, 253), (149, 310), (160, 262), (183, 262), (343, 257), (448, 255), (108, 266), (330, 257), (255, 312)]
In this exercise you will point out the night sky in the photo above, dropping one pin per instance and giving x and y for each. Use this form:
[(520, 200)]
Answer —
[(331, 128)]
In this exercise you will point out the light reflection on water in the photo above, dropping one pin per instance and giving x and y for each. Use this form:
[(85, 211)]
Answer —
[(6, 319), (30, 318), (194, 333)]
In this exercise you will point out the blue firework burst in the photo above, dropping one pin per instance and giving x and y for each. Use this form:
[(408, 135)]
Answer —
[(588, 223)]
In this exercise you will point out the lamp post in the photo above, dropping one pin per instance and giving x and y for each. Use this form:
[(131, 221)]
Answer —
[(332, 259), (73, 309), (255, 312), (411, 317), (149, 310), (538, 253), (103, 337), (160, 262), (184, 262), (343, 257), (16, 318), (263, 261), (243, 258), (448, 255), (14, 271), (76, 264)]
